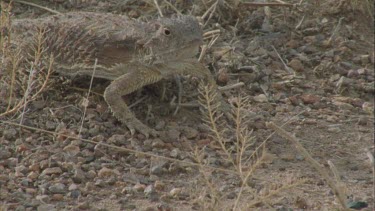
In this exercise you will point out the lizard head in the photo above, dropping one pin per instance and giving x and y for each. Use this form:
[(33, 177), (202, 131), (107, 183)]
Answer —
[(176, 37)]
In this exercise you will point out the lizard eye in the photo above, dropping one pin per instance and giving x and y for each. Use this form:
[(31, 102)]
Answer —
[(167, 32)]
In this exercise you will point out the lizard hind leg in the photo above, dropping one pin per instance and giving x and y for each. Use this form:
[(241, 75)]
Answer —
[(139, 76)]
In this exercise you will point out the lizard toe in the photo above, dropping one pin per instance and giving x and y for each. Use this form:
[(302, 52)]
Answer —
[(141, 128)]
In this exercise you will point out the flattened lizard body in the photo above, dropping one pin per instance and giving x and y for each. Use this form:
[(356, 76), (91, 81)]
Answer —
[(129, 52)]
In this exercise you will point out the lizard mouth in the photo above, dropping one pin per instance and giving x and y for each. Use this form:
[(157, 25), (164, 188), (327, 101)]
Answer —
[(188, 50)]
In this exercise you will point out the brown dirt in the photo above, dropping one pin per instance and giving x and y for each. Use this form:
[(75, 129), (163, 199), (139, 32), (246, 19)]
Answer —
[(326, 99)]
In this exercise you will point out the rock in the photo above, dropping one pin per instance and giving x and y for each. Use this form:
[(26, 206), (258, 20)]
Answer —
[(83, 206), (363, 120), (10, 133), (34, 167), (296, 65), (79, 175), (175, 192), (127, 190), (31, 191), (139, 187), (54, 170), (89, 187), (21, 168), (365, 59), (72, 150), (149, 189), (173, 135), (157, 143), (43, 164), (160, 125), (117, 139), (159, 185), (91, 174), (75, 194), (46, 207), (332, 119), (231, 195), (344, 81), (301, 203), (3, 179), (100, 183), (343, 106), (5, 154), (222, 77), (175, 153), (93, 131), (51, 125), (57, 188), (57, 197), (157, 170), (353, 74), (43, 198), (334, 129), (261, 98), (368, 107), (309, 98), (362, 71), (32, 175), (292, 44), (73, 187), (190, 132), (20, 208), (299, 157), (105, 172), (11, 162)]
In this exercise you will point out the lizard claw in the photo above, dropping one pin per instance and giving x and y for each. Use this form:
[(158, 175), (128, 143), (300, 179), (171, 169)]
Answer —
[(140, 127)]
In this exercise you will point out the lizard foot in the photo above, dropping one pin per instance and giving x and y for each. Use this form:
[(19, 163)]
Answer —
[(134, 126)]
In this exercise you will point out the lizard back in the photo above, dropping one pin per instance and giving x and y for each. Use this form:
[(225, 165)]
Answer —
[(77, 39)]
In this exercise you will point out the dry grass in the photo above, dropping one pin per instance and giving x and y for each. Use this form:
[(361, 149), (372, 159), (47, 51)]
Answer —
[(366, 6), (23, 79), (235, 152), (24, 85)]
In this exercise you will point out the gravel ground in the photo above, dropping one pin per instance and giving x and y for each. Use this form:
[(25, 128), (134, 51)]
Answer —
[(310, 69)]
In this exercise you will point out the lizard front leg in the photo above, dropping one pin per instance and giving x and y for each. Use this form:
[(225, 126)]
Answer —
[(195, 68), (139, 76)]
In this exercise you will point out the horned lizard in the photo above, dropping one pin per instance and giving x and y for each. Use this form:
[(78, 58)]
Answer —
[(129, 52)]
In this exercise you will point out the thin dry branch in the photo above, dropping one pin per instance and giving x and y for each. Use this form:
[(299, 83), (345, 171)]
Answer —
[(87, 97), (158, 8), (232, 86), (35, 95), (38, 6), (253, 4), (173, 7)]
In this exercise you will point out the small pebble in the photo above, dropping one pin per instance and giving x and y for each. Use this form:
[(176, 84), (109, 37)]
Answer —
[(139, 187), (261, 98), (57, 188), (105, 172), (175, 192), (54, 170)]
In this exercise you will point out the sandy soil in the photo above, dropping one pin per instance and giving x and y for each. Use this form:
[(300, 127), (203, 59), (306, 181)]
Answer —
[(309, 68)]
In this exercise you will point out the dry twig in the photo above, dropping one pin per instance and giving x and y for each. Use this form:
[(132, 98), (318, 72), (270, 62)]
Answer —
[(254, 4), (38, 6)]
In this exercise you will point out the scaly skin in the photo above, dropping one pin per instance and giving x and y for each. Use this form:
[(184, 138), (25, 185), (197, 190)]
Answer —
[(129, 52)]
